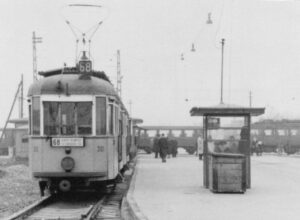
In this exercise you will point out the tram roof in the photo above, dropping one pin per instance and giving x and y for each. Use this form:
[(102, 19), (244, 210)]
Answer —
[(226, 109), (72, 70), (72, 84)]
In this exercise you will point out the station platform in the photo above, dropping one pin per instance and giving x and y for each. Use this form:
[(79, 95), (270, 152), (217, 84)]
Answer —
[(174, 190)]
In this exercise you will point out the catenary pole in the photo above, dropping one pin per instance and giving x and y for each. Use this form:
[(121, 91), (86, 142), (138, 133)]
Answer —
[(222, 64)]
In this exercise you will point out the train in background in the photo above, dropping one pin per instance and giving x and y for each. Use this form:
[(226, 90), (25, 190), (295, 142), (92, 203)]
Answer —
[(277, 135), (274, 135), (186, 139)]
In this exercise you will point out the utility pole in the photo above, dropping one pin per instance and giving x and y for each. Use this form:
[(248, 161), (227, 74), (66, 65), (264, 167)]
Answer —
[(250, 99), (35, 40), (222, 63), (130, 108), (119, 76), (21, 98), (11, 109)]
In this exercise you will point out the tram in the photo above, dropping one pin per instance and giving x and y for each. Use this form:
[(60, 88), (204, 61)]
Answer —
[(79, 129)]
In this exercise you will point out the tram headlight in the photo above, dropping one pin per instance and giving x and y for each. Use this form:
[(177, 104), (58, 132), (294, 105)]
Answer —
[(67, 163)]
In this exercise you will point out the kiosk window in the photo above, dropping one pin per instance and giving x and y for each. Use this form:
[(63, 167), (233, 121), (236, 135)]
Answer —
[(254, 131), (227, 134)]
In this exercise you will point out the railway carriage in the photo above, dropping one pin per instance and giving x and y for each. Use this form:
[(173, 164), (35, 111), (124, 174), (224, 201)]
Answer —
[(79, 129), (278, 136)]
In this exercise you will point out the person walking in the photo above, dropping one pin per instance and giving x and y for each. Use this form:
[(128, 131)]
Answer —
[(243, 143), (170, 146), (174, 145), (163, 147), (155, 145), (200, 147)]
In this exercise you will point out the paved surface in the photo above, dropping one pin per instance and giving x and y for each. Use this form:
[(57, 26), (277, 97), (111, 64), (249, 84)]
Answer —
[(174, 190)]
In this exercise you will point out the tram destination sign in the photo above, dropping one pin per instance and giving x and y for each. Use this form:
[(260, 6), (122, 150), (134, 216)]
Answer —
[(67, 142)]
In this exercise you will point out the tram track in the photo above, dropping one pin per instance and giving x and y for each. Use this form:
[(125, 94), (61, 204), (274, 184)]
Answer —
[(80, 205), (105, 207), (29, 210)]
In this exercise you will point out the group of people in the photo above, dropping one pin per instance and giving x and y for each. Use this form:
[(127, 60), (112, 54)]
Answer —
[(256, 147), (164, 147)]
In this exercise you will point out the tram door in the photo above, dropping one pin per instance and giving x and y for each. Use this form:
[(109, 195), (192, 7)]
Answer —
[(120, 140)]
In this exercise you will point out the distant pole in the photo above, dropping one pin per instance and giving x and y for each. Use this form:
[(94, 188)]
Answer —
[(21, 98), (250, 99), (10, 111), (35, 40), (222, 63), (130, 107), (119, 77)]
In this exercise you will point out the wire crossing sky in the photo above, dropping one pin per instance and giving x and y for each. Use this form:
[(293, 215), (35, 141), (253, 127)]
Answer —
[(261, 54)]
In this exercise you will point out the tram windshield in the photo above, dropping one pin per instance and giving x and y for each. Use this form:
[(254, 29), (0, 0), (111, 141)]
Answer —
[(67, 118), (227, 134)]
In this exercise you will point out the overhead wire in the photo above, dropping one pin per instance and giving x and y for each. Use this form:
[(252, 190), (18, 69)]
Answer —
[(78, 33)]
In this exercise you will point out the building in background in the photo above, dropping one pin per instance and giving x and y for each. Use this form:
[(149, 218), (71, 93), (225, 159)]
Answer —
[(15, 138)]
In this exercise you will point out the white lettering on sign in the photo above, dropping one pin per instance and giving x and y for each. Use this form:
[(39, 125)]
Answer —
[(67, 142)]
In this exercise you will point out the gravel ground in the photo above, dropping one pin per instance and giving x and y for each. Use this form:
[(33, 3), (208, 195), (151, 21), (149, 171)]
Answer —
[(17, 190)]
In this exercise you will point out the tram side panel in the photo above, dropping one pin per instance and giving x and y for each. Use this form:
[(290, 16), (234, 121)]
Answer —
[(35, 155), (112, 158), (89, 159), (294, 140)]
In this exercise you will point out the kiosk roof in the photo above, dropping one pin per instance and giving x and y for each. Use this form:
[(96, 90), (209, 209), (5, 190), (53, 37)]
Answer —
[(226, 109)]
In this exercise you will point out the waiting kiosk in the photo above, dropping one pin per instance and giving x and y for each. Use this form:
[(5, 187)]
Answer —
[(226, 155)]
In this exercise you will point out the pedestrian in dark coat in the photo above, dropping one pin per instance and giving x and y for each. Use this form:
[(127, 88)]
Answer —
[(163, 147), (170, 143), (174, 145), (155, 145), (243, 147)]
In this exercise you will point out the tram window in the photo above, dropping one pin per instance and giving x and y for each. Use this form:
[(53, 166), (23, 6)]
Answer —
[(51, 119), (121, 124), (30, 123), (268, 132), (124, 129), (68, 118), (294, 132), (100, 115), (116, 120), (84, 117), (36, 113), (281, 132), (110, 115)]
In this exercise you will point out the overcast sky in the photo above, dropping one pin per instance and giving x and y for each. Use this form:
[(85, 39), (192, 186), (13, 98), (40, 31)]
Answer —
[(262, 53)]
